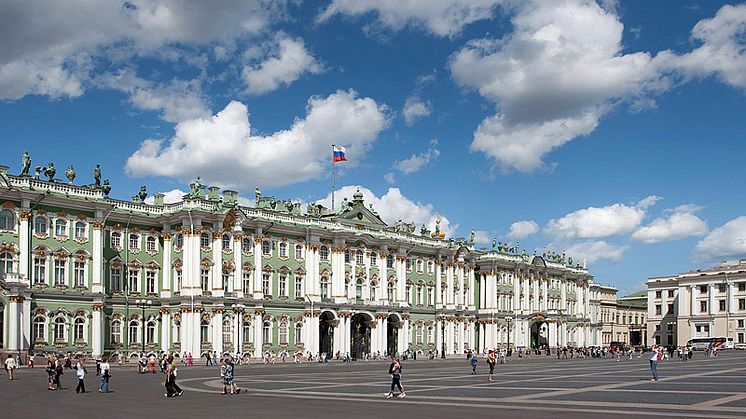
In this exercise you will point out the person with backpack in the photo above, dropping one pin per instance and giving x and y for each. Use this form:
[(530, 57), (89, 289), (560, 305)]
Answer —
[(395, 371), (105, 375), (656, 356), (172, 389), (491, 361)]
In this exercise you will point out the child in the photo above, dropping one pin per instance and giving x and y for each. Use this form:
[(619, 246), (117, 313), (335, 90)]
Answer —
[(474, 364)]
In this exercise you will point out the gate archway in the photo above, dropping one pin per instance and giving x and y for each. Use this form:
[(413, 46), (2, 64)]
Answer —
[(360, 335), (326, 333), (392, 334)]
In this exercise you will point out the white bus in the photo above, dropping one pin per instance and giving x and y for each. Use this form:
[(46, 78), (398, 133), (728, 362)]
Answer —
[(700, 344)]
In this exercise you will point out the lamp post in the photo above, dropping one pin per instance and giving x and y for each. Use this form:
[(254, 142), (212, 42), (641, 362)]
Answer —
[(442, 339), (143, 304), (508, 320)]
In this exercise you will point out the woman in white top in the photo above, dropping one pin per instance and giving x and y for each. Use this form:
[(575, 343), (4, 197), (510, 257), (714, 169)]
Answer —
[(10, 366), (105, 375), (80, 372)]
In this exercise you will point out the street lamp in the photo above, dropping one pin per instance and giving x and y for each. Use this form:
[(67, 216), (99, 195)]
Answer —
[(143, 304)]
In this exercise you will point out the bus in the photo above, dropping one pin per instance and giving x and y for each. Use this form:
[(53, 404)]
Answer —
[(700, 344)]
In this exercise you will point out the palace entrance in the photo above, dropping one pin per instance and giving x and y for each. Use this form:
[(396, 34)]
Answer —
[(539, 334), (326, 333), (392, 335), (359, 335)]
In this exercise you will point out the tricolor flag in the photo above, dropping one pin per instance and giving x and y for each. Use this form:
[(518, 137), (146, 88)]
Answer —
[(338, 154)]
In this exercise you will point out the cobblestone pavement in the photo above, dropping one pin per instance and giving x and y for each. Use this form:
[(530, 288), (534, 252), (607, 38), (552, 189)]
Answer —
[(537, 387)]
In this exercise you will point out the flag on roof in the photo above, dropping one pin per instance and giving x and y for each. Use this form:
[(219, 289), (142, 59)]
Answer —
[(338, 154)]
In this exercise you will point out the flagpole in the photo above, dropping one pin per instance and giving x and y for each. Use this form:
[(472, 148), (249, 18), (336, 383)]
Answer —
[(333, 175)]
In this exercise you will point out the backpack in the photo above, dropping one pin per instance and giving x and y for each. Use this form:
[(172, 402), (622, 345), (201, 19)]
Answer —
[(660, 356)]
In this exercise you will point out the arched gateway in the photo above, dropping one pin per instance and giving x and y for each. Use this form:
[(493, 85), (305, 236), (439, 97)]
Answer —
[(360, 335), (326, 333)]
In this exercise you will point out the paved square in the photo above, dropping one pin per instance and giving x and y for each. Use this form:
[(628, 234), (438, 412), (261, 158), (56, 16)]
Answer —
[(537, 387)]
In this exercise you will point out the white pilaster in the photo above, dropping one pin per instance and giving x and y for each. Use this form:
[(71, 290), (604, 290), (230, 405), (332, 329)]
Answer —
[(165, 269)]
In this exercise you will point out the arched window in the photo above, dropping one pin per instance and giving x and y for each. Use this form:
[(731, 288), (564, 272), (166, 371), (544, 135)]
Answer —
[(266, 248), (40, 225), (373, 290), (430, 267), (299, 251), (226, 241), (430, 335), (266, 283), (60, 227), (246, 282), (80, 230), (116, 332), (151, 244), (359, 289), (150, 281), (324, 253), (134, 332), (204, 331), (227, 331), (7, 220), (150, 332), (204, 240), (79, 329), (246, 245), (178, 241), (283, 333), (248, 332), (390, 261), (419, 265), (177, 331), (267, 332), (359, 257), (6, 263), (420, 295), (324, 286), (283, 250), (59, 329), (373, 258), (298, 333), (116, 240), (418, 335), (134, 242), (227, 280), (391, 292), (40, 326)]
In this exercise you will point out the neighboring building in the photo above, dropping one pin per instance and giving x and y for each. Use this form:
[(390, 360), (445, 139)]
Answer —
[(703, 303), (623, 318), (82, 272), (607, 300)]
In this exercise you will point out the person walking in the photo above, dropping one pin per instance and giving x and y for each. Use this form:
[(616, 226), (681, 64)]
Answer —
[(395, 371), (172, 389), (31, 361), (491, 361), (10, 366), (50, 373), (656, 356), (228, 377), (105, 376), (58, 372), (473, 361), (80, 367)]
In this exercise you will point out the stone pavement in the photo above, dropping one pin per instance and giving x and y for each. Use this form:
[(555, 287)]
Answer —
[(541, 387)]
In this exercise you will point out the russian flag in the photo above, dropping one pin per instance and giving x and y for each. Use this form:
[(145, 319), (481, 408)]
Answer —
[(338, 154)]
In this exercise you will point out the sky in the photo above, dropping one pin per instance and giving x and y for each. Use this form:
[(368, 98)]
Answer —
[(612, 131)]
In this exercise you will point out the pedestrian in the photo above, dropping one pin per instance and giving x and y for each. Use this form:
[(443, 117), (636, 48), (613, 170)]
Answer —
[(98, 367), (656, 356), (31, 361), (395, 371), (80, 367), (190, 360), (209, 359), (491, 360), (10, 366), (473, 364), (172, 389), (58, 372), (51, 371), (228, 377), (105, 376)]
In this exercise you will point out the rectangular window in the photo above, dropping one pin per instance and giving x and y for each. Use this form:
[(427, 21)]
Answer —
[(742, 286), (670, 293), (40, 271), (670, 309), (298, 286), (740, 338), (703, 306), (116, 280), (722, 287), (266, 278), (373, 259), (178, 276), (134, 280), (283, 285), (703, 289), (742, 303), (79, 274), (134, 242), (740, 323), (227, 282), (721, 305), (657, 309), (204, 279), (298, 251), (658, 294), (150, 282), (246, 282), (60, 271), (669, 327)]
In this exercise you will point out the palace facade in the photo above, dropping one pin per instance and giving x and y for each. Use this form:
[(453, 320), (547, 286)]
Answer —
[(82, 272)]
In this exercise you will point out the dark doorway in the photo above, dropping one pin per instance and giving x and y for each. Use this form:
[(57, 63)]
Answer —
[(392, 335), (635, 338), (326, 333), (359, 335), (539, 332)]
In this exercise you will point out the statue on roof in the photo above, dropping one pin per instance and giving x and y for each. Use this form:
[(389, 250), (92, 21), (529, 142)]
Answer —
[(143, 193), (37, 172), (494, 243), (25, 163), (49, 171), (97, 176), (370, 207), (472, 235), (106, 188), (70, 174)]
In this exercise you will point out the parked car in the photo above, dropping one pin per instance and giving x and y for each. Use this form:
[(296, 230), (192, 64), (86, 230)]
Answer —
[(740, 346)]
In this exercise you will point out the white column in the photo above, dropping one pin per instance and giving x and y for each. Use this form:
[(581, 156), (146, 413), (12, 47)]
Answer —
[(339, 291), (438, 335), (217, 267), (97, 285), (382, 284), (14, 323), (337, 338), (449, 281), (97, 330), (401, 281), (460, 281), (732, 305), (438, 285), (217, 331), (165, 269), (257, 322), (711, 301), (165, 330), (23, 244), (516, 292), (258, 295), (238, 271), (471, 336)]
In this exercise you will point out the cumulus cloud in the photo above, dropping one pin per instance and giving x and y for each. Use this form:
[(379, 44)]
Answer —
[(592, 250), (552, 79), (725, 242), (285, 62), (522, 229), (169, 197), (224, 151), (415, 108), (417, 161), (596, 222), (721, 51), (482, 237), (390, 178), (678, 223), (75, 32), (438, 17), (393, 205)]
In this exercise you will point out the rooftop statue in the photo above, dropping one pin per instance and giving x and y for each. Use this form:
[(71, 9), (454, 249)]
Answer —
[(25, 163), (106, 188), (37, 172), (142, 194), (494, 244), (49, 171), (370, 207), (472, 234), (70, 174), (97, 176)]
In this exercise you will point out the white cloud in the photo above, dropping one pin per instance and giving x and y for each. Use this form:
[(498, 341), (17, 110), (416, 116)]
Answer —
[(722, 50), (46, 48), (393, 206), (285, 63), (482, 237), (390, 178), (415, 108), (593, 250), (678, 223), (522, 229), (593, 222), (170, 197), (552, 79), (223, 150), (439, 17), (726, 241), (417, 161)]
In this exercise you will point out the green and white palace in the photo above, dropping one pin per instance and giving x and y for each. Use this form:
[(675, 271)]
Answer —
[(81, 272)]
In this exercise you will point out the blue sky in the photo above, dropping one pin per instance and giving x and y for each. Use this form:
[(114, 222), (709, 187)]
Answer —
[(611, 130)]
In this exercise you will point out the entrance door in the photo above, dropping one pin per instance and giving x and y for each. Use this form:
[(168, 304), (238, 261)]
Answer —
[(539, 334), (326, 333), (360, 336), (392, 335)]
